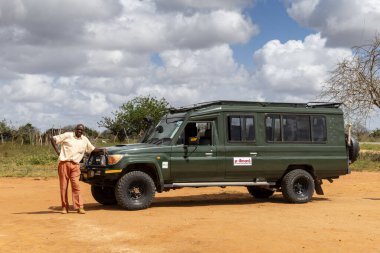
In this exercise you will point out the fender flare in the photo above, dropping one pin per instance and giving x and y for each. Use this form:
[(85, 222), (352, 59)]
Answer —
[(151, 164)]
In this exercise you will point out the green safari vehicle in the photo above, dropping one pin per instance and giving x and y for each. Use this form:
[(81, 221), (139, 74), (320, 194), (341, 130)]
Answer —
[(266, 147)]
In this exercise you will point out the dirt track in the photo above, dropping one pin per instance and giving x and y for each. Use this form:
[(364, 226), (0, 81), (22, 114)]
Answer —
[(346, 219)]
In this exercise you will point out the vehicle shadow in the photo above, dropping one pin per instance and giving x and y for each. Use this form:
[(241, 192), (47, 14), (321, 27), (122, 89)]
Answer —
[(188, 201), (219, 199)]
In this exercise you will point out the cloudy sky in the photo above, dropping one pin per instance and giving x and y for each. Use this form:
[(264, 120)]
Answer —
[(68, 61)]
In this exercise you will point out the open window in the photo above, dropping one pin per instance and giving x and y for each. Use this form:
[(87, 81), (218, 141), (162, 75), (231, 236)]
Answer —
[(197, 133)]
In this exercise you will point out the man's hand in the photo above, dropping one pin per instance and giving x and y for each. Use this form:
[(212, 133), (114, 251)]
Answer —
[(99, 150), (54, 145)]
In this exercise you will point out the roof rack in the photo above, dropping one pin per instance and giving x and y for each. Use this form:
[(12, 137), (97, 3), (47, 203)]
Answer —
[(193, 106), (252, 103), (324, 104), (231, 102)]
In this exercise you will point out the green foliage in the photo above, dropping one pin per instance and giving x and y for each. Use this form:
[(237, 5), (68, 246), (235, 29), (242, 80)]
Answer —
[(5, 131), (129, 119), (26, 134), (375, 133)]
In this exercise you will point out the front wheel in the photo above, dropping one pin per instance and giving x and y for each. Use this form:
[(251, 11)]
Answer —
[(298, 186), (104, 195), (135, 190)]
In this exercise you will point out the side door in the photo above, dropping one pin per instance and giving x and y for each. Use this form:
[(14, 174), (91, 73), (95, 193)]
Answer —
[(242, 160), (194, 158)]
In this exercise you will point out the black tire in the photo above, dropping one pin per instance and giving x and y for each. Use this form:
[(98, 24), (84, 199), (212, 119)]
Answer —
[(135, 190), (104, 195), (298, 186), (260, 193), (353, 150)]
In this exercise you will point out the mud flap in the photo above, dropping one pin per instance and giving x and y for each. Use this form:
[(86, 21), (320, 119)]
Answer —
[(318, 187)]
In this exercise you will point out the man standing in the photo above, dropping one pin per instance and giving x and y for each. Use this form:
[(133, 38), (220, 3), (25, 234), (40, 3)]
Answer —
[(73, 147)]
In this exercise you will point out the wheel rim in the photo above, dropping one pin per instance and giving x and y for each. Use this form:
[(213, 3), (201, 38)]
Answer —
[(136, 191), (301, 187)]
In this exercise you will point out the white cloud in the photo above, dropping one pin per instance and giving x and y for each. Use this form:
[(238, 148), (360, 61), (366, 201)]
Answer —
[(31, 88), (295, 70), (149, 31), (343, 22), (54, 21)]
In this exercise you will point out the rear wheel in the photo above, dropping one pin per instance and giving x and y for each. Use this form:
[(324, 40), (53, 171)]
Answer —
[(260, 193), (298, 186), (104, 195), (135, 190)]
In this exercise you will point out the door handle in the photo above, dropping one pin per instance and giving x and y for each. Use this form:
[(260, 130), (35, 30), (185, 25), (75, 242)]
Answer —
[(208, 154), (253, 153)]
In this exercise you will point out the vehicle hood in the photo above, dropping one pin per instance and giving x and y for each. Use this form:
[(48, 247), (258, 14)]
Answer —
[(135, 148)]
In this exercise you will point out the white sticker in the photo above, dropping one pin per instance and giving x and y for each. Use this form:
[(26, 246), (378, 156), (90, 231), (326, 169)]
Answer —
[(165, 165), (242, 161)]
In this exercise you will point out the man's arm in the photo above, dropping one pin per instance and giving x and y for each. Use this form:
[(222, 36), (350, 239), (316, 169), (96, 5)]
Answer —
[(54, 145), (97, 150)]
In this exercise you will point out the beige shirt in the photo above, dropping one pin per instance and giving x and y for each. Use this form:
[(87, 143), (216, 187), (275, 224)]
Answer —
[(73, 148)]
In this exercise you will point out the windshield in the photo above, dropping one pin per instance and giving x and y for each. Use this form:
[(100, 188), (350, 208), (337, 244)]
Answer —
[(165, 131)]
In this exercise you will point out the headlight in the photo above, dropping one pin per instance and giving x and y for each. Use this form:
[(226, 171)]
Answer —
[(112, 159)]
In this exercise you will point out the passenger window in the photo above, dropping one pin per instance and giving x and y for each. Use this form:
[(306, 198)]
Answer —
[(241, 128), (319, 128), (296, 128), (273, 128)]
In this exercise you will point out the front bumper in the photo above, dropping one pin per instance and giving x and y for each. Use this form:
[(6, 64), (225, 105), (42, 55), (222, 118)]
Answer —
[(96, 175)]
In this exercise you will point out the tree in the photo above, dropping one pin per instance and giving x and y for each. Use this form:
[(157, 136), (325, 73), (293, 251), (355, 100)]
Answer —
[(129, 119), (5, 131), (356, 81), (28, 134)]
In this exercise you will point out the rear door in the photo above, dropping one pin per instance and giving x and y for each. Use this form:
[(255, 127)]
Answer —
[(241, 152)]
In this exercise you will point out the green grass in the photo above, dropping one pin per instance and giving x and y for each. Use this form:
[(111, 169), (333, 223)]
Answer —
[(30, 160), (365, 165), (41, 161), (369, 158), (27, 160), (366, 146)]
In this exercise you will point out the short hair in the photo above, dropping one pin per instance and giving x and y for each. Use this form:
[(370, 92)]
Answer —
[(79, 126)]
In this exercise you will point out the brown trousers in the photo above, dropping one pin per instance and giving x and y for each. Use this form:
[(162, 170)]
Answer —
[(69, 171)]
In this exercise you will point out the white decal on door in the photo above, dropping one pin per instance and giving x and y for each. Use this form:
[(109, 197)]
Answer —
[(242, 161)]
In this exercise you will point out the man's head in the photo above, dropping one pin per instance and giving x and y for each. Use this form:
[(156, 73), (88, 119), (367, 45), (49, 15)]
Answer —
[(79, 129)]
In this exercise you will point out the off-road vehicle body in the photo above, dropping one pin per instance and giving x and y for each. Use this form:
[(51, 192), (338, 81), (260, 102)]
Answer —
[(266, 147)]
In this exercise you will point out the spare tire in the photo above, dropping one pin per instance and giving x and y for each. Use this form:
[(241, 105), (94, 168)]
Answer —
[(353, 150)]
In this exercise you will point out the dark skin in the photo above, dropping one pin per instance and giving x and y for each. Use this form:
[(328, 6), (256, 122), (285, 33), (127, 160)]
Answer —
[(79, 129)]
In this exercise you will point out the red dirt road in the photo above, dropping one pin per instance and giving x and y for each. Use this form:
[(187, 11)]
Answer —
[(346, 219)]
